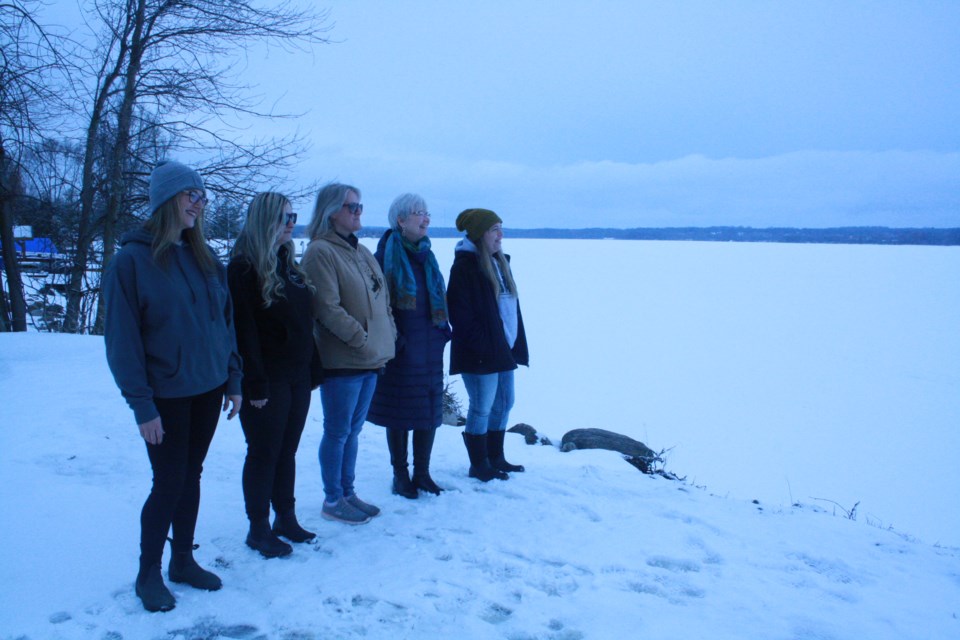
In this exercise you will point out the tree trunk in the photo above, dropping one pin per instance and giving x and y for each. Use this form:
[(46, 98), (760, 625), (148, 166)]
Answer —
[(18, 306), (121, 149), (85, 234)]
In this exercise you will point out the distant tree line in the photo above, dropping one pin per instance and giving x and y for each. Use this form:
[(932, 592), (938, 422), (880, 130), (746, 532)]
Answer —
[(835, 235), (85, 117)]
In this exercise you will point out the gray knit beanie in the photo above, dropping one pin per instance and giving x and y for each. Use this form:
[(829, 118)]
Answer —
[(168, 179)]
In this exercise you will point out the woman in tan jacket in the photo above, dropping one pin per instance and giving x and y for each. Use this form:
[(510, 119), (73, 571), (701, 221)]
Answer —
[(356, 340)]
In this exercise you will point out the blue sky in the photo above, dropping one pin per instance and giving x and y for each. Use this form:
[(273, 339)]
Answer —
[(628, 113)]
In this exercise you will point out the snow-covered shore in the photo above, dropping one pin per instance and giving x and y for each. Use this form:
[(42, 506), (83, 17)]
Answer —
[(581, 545)]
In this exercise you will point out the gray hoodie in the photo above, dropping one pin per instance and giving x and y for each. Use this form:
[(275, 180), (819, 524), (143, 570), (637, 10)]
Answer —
[(168, 328)]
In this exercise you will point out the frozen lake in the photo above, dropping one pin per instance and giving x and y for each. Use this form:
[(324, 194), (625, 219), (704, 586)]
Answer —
[(777, 372)]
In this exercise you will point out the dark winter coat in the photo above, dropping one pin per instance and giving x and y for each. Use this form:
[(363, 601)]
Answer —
[(409, 394), (168, 327), (479, 344), (276, 342)]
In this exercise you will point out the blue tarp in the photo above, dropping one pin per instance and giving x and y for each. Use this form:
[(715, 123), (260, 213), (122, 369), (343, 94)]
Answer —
[(36, 245), (41, 245)]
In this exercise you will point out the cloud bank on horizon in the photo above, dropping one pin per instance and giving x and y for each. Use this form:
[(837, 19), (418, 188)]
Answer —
[(626, 114), (629, 114)]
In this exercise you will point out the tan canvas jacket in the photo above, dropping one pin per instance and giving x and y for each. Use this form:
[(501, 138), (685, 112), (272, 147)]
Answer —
[(352, 304)]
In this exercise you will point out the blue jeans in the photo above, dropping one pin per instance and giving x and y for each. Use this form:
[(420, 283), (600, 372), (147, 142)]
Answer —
[(491, 398), (345, 402)]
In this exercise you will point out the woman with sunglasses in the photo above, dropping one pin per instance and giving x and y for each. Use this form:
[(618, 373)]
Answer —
[(356, 340), (409, 396), (488, 339), (272, 313), (171, 348)]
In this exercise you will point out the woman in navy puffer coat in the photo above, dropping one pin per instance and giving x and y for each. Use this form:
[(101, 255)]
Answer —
[(409, 395)]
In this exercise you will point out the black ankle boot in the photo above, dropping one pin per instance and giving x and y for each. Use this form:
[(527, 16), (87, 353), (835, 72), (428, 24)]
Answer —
[(152, 592), (262, 539), (397, 444), (286, 525), (479, 465), (183, 569), (422, 448), (495, 452), (402, 486), (425, 483)]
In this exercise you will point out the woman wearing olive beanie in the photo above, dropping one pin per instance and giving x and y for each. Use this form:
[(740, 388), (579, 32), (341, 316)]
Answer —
[(489, 340)]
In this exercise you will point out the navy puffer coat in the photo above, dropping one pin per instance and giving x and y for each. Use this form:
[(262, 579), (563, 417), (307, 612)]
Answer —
[(409, 394)]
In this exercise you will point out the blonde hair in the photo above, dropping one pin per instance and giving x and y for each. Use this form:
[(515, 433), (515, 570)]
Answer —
[(486, 265), (164, 225), (257, 243)]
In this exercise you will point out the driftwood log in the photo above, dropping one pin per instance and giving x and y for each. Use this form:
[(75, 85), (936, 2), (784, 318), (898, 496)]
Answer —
[(529, 434), (635, 452)]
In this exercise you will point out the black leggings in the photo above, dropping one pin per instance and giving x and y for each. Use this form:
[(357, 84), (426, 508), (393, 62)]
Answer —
[(188, 425), (273, 436)]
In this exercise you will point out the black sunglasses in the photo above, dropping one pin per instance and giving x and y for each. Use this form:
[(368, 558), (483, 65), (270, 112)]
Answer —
[(288, 218), (354, 207)]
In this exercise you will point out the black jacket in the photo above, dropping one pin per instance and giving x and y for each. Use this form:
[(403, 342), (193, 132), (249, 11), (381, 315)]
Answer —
[(479, 344), (276, 343)]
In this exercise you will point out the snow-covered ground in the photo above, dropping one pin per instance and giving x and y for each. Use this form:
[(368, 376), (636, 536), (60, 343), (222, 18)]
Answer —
[(816, 375)]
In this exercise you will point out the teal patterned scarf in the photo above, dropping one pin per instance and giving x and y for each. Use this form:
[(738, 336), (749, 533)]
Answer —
[(403, 285)]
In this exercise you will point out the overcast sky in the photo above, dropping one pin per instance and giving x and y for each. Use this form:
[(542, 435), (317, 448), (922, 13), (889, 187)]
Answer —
[(637, 113)]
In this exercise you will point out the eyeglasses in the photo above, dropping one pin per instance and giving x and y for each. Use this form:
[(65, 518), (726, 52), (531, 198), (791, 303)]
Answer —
[(288, 218), (354, 207), (197, 196), (421, 214)]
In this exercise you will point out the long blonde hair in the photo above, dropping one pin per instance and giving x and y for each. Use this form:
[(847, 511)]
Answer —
[(164, 225), (257, 243), (486, 265)]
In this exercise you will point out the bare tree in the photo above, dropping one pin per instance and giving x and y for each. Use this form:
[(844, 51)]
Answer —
[(27, 55), (171, 59)]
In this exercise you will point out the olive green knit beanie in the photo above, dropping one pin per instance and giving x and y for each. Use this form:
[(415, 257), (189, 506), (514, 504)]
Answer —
[(476, 222)]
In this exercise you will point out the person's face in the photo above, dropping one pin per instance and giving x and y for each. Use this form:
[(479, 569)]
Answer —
[(493, 238), (347, 219), (191, 207), (288, 219), (414, 226)]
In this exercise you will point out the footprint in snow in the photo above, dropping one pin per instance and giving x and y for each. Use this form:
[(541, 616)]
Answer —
[(673, 564)]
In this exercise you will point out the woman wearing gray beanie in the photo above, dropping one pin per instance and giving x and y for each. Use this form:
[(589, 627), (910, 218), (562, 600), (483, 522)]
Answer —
[(172, 351), (489, 340)]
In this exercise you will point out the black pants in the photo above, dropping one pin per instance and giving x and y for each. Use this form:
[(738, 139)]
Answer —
[(188, 425), (273, 436)]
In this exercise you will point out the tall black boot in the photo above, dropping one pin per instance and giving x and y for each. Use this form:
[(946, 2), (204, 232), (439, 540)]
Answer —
[(422, 448), (286, 525), (495, 452), (152, 592), (185, 570), (479, 465), (262, 539), (397, 443)]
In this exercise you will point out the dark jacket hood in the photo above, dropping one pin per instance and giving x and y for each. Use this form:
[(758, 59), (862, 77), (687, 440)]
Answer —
[(139, 236)]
